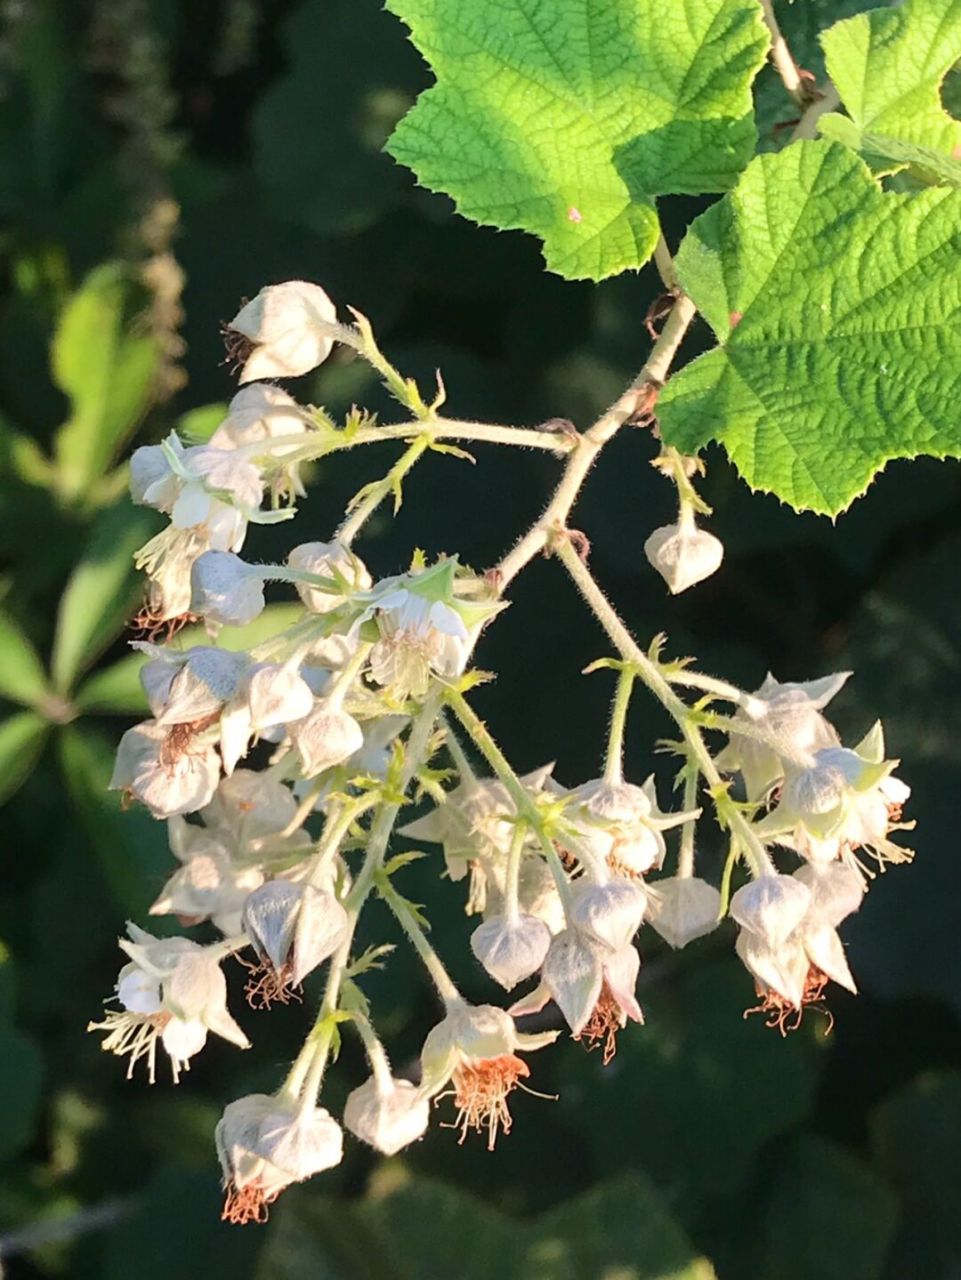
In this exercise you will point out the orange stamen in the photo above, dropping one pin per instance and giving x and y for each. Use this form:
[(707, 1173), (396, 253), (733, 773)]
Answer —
[(246, 1204), (784, 1015), (607, 1018), (481, 1089)]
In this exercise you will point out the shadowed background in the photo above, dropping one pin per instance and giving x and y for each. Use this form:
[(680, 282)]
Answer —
[(158, 163)]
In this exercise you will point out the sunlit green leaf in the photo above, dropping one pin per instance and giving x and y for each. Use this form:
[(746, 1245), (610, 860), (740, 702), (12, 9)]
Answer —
[(107, 368), (101, 593), (814, 278), (569, 119), (22, 677), (116, 689), (21, 740)]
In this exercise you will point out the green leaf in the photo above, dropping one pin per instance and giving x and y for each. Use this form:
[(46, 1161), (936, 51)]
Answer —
[(620, 1229), (107, 370), (130, 845), (101, 593), (569, 119), (22, 677), (21, 740), (116, 690), (916, 1138), (836, 306), (21, 1081), (827, 1216), (888, 66), (883, 153)]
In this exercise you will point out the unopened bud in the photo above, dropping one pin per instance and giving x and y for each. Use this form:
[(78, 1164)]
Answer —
[(609, 913), (771, 907), (388, 1117), (687, 909), (683, 555), (291, 329), (225, 590), (511, 951)]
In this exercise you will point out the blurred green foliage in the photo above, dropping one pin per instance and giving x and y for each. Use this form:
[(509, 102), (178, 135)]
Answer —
[(239, 143)]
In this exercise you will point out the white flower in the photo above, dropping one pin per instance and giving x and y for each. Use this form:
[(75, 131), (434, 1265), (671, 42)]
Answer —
[(171, 771), (790, 716), (173, 990), (261, 412), (327, 736), (325, 559), (511, 950), (209, 883), (771, 907), (684, 909), (683, 554), (291, 328), (424, 628), (475, 1047), (225, 590), (609, 914), (842, 802), (620, 824), (592, 986), (265, 1144), (388, 1114), (294, 928)]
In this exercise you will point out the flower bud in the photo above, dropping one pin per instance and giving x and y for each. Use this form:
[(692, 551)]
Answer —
[(290, 327), (686, 909), (609, 913), (277, 695), (326, 737), (260, 412), (153, 482), (225, 590), (387, 1116), (836, 892), (322, 558), (683, 554), (511, 951), (573, 974), (771, 907)]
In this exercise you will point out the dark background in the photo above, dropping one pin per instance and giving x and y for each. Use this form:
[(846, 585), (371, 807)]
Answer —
[(239, 143)]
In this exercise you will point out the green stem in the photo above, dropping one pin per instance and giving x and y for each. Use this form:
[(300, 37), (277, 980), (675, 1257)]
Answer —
[(408, 922), (685, 858), (512, 875), (649, 672), (380, 489), (614, 764)]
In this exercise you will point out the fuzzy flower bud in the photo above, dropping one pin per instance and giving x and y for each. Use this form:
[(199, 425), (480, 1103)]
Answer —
[(325, 559), (289, 329), (610, 913), (685, 909), (225, 590), (771, 907), (294, 928), (326, 737), (683, 554), (511, 950), (387, 1114)]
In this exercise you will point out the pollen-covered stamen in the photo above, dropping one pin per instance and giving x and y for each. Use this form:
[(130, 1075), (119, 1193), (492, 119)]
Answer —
[(150, 623), (266, 985), (246, 1204), (784, 1014), (181, 739), (238, 347), (618, 868), (607, 1018), (135, 1034), (481, 1089)]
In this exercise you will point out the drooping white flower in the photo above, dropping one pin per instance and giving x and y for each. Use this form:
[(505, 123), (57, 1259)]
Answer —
[(842, 802), (609, 913), (684, 909), (771, 907), (172, 991), (169, 770), (259, 413), (294, 928), (789, 714), (327, 736), (327, 559), (475, 1048), (290, 329), (210, 883), (592, 985), (620, 824), (266, 1144), (683, 554), (388, 1114)]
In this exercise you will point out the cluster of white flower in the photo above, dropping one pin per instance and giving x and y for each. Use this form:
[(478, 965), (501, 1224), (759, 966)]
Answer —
[(281, 771)]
